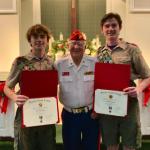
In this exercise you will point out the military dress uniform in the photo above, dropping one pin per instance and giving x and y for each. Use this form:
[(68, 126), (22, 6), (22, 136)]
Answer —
[(35, 138), (128, 127), (76, 85)]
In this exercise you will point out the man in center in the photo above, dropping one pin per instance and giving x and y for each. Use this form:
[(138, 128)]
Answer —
[(76, 77)]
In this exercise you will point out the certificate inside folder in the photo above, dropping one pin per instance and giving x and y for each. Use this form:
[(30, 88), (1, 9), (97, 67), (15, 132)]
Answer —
[(110, 80), (42, 106)]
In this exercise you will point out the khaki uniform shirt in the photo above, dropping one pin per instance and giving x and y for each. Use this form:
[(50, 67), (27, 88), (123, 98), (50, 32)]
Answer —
[(126, 53), (27, 62), (76, 83)]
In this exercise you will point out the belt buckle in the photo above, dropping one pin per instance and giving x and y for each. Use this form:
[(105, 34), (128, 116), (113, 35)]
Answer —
[(80, 110)]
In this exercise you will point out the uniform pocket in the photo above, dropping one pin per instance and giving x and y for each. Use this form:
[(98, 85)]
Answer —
[(89, 84), (122, 60), (66, 83), (88, 77)]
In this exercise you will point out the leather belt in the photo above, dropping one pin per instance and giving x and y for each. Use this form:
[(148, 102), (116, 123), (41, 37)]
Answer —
[(83, 109)]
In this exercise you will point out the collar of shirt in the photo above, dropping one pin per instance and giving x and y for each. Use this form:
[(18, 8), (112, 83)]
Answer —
[(121, 44), (30, 56), (83, 62)]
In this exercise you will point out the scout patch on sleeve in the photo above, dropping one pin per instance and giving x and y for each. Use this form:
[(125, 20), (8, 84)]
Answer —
[(24, 64)]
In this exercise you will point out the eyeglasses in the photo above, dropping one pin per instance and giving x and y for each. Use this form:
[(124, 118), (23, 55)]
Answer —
[(78, 43)]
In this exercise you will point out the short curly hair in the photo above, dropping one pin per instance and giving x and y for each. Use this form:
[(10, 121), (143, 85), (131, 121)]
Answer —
[(38, 29), (110, 16)]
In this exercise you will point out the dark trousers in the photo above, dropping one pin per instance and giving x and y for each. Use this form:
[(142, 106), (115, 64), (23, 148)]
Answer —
[(79, 131)]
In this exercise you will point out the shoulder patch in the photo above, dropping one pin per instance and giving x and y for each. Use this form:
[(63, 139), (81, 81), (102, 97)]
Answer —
[(24, 64), (21, 59)]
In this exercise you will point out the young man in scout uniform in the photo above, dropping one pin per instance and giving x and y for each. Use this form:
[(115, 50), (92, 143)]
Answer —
[(76, 80), (120, 52), (33, 138)]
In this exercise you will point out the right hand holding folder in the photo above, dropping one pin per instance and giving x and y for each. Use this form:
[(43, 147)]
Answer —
[(20, 99)]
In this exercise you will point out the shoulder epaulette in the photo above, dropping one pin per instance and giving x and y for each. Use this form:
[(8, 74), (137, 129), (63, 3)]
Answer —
[(49, 56), (100, 48), (62, 60), (90, 58), (133, 44)]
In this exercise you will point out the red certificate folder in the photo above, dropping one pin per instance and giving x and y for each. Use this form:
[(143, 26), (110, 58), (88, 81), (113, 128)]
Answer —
[(39, 84), (112, 76), (108, 79)]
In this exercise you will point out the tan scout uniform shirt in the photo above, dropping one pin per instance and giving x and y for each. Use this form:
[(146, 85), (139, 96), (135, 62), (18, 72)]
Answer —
[(27, 62), (76, 83), (127, 53)]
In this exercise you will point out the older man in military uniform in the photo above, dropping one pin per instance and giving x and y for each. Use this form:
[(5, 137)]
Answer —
[(33, 138), (76, 76), (118, 51)]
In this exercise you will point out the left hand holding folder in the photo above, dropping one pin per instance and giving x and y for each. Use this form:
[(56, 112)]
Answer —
[(131, 91)]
